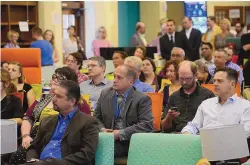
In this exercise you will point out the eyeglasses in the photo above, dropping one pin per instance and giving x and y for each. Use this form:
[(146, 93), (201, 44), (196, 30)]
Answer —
[(175, 55), (186, 79), (57, 77), (92, 66)]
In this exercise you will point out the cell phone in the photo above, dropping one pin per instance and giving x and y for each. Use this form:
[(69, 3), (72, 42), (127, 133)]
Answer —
[(174, 109)]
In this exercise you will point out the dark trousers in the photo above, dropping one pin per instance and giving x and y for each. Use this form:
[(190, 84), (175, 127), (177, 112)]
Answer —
[(121, 148)]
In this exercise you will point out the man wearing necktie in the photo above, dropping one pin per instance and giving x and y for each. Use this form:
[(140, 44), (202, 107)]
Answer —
[(173, 39), (123, 111)]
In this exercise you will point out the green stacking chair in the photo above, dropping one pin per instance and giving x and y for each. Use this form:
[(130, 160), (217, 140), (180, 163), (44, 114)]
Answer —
[(164, 149)]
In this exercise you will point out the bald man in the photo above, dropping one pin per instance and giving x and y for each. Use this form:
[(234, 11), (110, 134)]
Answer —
[(186, 100), (138, 39)]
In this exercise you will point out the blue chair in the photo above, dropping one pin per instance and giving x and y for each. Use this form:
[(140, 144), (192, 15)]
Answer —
[(164, 149), (105, 149)]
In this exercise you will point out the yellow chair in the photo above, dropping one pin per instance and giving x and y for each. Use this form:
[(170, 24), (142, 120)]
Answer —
[(110, 76), (165, 82), (38, 90), (85, 71)]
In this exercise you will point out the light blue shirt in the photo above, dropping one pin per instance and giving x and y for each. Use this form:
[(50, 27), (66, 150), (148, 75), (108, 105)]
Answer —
[(53, 148), (212, 114), (88, 87), (142, 87)]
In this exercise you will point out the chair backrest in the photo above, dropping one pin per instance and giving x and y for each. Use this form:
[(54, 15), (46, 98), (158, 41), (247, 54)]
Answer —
[(30, 58), (211, 88), (157, 104), (105, 149), (161, 148)]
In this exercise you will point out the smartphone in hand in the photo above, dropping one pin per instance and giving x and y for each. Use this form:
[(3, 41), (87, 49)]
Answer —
[(174, 109)]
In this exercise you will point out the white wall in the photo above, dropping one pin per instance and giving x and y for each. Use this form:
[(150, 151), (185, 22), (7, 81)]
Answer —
[(101, 14)]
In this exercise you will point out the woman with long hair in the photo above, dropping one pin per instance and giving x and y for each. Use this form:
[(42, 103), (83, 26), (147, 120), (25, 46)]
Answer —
[(171, 70), (100, 41), (16, 73), (49, 36), (11, 106)]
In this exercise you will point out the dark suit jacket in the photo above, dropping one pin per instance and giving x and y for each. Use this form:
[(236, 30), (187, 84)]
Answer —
[(79, 142), (137, 111), (194, 42), (166, 46), (245, 39), (136, 40)]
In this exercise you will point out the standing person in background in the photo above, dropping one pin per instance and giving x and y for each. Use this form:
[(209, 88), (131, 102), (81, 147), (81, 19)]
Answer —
[(46, 53), (245, 47), (220, 39), (163, 27), (49, 36), (16, 72), (138, 39), (100, 41), (140, 51), (72, 44), (239, 29), (173, 39), (194, 38), (148, 74), (212, 31), (74, 62), (12, 37)]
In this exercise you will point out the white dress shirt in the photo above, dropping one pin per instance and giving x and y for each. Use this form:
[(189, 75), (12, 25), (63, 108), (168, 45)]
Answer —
[(169, 36), (211, 113), (188, 32), (143, 38)]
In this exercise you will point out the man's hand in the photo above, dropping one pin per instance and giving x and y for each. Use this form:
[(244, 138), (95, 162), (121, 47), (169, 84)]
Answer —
[(26, 141), (172, 114), (246, 47), (187, 133), (106, 130), (116, 134)]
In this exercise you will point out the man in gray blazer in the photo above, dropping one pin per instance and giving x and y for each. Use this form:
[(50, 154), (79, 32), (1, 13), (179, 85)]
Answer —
[(138, 39), (123, 111)]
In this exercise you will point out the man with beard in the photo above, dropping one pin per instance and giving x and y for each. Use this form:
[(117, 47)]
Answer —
[(183, 104), (239, 29), (71, 137)]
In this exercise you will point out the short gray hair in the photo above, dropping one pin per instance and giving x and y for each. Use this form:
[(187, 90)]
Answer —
[(130, 72), (135, 60), (201, 65), (180, 49), (101, 61), (222, 50)]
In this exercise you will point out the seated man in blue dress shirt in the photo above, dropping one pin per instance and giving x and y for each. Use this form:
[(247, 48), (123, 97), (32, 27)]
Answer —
[(68, 138), (136, 63), (226, 109), (220, 62)]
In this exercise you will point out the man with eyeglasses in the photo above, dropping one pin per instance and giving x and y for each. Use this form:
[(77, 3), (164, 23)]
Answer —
[(177, 54), (97, 81), (221, 62), (183, 104), (207, 54)]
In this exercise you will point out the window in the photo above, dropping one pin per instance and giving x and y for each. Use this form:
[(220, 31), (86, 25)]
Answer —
[(68, 20)]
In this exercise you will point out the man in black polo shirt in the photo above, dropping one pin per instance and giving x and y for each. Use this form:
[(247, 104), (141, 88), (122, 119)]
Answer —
[(187, 99)]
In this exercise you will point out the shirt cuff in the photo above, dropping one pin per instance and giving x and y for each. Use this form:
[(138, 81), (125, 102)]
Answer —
[(122, 135)]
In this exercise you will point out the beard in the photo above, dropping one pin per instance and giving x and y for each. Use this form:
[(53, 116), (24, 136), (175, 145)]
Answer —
[(188, 86)]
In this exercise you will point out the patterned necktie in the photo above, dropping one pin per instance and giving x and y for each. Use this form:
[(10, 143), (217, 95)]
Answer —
[(119, 100)]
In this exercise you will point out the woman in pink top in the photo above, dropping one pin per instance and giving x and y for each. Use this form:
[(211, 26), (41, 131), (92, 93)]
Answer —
[(100, 41)]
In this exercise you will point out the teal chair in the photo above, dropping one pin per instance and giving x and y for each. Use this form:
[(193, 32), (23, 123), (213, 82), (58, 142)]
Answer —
[(105, 149), (164, 149)]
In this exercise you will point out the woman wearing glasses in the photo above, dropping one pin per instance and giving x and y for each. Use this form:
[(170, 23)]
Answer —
[(100, 41), (34, 113)]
